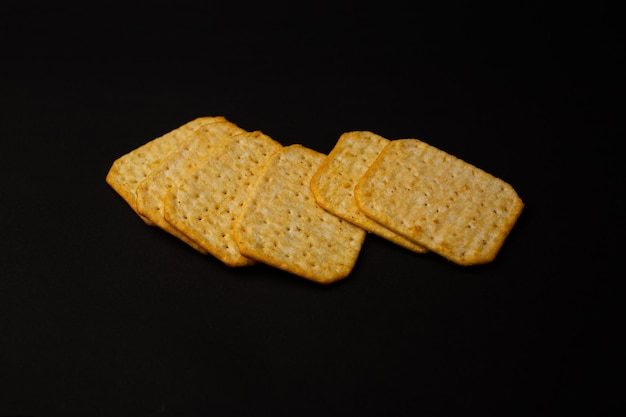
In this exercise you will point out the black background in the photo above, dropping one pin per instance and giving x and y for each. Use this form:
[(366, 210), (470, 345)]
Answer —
[(103, 315)]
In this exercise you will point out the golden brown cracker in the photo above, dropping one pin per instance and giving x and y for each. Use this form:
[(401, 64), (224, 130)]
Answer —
[(127, 172), (282, 225), (205, 204), (177, 166), (333, 183), (440, 201)]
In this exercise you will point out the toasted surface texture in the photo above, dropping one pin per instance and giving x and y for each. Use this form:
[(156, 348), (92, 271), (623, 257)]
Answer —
[(129, 170), (333, 183), (282, 225), (442, 202), (177, 166), (206, 203)]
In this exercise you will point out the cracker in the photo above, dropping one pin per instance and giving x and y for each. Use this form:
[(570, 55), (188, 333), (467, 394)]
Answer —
[(177, 166), (206, 203), (444, 203), (282, 225), (333, 183), (127, 172)]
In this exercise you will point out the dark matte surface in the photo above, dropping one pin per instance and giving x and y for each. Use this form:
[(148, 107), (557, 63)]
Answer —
[(102, 315)]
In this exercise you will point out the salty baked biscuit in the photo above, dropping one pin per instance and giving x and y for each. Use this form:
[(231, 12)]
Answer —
[(177, 166), (206, 203), (282, 225), (130, 169), (333, 183), (442, 202)]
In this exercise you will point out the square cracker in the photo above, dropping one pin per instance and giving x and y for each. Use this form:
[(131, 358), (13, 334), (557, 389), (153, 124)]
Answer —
[(127, 172), (442, 202), (333, 183), (282, 225), (206, 203), (177, 166)]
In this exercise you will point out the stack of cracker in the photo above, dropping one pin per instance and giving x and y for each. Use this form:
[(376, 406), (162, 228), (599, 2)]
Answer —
[(244, 198)]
